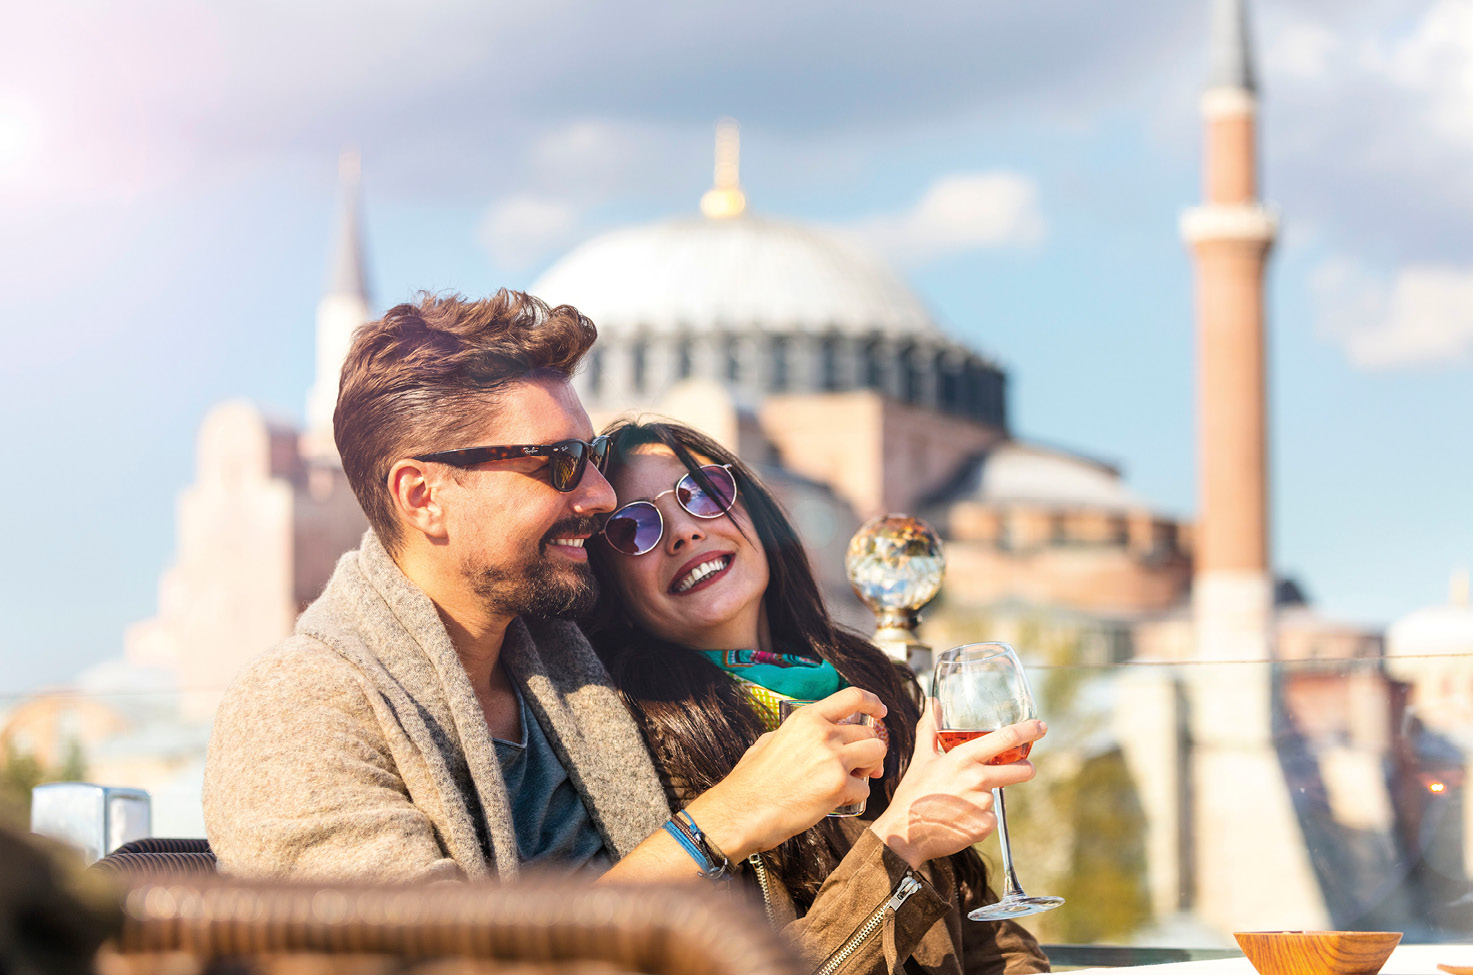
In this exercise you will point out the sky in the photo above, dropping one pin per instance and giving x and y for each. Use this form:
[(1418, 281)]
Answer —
[(168, 186)]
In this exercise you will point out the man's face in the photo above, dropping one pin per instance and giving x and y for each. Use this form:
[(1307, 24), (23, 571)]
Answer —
[(517, 539)]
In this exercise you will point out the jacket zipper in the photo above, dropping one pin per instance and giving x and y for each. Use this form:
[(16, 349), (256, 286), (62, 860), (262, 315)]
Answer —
[(760, 869), (908, 885)]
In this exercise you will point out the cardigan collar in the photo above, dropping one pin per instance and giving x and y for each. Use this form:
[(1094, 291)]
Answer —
[(372, 614)]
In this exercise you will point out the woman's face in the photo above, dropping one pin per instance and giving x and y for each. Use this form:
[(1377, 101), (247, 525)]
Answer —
[(721, 611)]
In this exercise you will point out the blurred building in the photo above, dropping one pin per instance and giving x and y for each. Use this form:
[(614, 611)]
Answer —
[(1429, 650), (257, 535), (1282, 774), (811, 358), (269, 512)]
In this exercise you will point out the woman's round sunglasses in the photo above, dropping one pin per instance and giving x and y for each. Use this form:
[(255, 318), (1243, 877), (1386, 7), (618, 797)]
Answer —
[(638, 527)]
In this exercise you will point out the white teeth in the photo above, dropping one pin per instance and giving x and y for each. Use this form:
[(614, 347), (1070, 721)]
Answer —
[(702, 571), (574, 542)]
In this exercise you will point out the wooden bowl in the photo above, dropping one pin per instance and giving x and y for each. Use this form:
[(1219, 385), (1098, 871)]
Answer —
[(1317, 952)]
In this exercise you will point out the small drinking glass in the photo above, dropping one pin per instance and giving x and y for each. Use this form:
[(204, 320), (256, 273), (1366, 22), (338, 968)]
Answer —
[(980, 688), (790, 706)]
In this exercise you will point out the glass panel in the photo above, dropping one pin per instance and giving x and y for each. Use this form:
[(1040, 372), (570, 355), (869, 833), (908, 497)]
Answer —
[(1178, 802), (1175, 801)]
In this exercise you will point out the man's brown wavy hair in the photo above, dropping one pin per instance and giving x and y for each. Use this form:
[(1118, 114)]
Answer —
[(426, 375)]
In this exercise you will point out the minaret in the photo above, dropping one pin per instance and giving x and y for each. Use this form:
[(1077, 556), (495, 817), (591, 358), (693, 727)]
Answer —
[(1239, 812), (344, 306), (1230, 235)]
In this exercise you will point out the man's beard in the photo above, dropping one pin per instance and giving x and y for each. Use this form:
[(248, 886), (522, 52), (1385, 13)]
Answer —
[(540, 588)]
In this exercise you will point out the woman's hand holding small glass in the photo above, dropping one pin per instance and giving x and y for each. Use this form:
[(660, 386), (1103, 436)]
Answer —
[(944, 804), (795, 776)]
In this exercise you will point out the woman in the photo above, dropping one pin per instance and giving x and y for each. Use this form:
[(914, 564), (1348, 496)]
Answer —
[(708, 613)]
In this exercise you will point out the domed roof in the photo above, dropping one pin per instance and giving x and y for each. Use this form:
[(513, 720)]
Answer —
[(1019, 473), (733, 272), (1445, 629)]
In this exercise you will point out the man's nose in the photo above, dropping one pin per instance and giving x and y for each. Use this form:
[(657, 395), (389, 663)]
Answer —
[(594, 493)]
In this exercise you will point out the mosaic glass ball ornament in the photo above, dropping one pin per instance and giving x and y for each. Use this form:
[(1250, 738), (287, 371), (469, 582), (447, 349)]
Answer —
[(895, 564)]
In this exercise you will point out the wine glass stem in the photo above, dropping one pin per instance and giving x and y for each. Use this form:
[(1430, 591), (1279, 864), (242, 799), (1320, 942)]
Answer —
[(1010, 885)]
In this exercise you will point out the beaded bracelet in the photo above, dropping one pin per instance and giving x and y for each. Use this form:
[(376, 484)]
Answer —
[(682, 826)]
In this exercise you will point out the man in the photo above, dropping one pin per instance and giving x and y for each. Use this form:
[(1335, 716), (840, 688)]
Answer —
[(435, 716)]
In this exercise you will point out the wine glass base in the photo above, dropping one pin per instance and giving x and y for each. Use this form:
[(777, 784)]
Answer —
[(1010, 907)]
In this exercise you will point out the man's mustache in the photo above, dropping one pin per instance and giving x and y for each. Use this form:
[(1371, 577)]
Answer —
[(579, 525)]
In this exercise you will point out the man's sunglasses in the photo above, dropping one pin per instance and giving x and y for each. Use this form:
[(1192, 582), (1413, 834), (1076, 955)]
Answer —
[(638, 527), (569, 457)]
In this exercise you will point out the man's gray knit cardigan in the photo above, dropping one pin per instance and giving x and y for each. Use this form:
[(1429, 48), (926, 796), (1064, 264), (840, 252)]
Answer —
[(356, 750)]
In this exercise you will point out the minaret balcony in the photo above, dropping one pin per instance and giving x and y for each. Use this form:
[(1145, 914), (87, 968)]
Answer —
[(1228, 102), (1245, 223)]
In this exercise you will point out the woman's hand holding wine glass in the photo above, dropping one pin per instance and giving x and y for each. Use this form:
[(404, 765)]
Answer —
[(944, 803), (978, 688)]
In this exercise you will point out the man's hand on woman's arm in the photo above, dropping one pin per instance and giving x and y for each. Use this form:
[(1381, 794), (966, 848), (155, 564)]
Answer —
[(787, 781)]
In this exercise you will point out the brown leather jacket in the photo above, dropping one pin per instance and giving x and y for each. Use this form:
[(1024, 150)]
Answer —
[(874, 915)]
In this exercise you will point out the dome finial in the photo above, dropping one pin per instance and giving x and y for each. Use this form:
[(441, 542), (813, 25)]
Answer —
[(724, 198)]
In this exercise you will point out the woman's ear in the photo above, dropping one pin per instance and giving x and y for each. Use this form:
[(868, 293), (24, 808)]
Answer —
[(415, 491)]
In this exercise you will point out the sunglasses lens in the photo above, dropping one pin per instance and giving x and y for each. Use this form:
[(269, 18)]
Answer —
[(599, 453), (567, 464), (634, 529), (698, 501)]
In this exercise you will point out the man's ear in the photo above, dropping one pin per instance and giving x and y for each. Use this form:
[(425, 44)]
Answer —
[(415, 491)]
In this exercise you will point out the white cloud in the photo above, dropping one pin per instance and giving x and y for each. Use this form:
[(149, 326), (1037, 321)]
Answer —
[(959, 213), (1301, 49), (1422, 316), (1435, 62), (1368, 124), (592, 160), (608, 142), (522, 230)]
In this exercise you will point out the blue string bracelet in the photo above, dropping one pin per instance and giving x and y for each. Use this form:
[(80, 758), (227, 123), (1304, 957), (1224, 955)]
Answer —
[(711, 862), (713, 852)]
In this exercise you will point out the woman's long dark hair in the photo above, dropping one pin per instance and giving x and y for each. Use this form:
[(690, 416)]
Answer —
[(698, 720)]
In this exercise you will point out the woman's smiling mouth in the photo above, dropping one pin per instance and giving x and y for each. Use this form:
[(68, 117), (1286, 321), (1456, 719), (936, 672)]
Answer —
[(703, 568)]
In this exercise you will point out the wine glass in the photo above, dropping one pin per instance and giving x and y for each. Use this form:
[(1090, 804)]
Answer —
[(979, 688)]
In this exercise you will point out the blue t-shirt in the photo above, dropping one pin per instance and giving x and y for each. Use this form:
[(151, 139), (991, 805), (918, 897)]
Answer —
[(552, 825)]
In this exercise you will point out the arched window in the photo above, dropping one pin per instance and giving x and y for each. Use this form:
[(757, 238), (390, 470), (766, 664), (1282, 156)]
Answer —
[(872, 378), (595, 372), (781, 367), (995, 409), (638, 356), (980, 387), (946, 391), (910, 375), (733, 359), (683, 358), (828, 363)]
